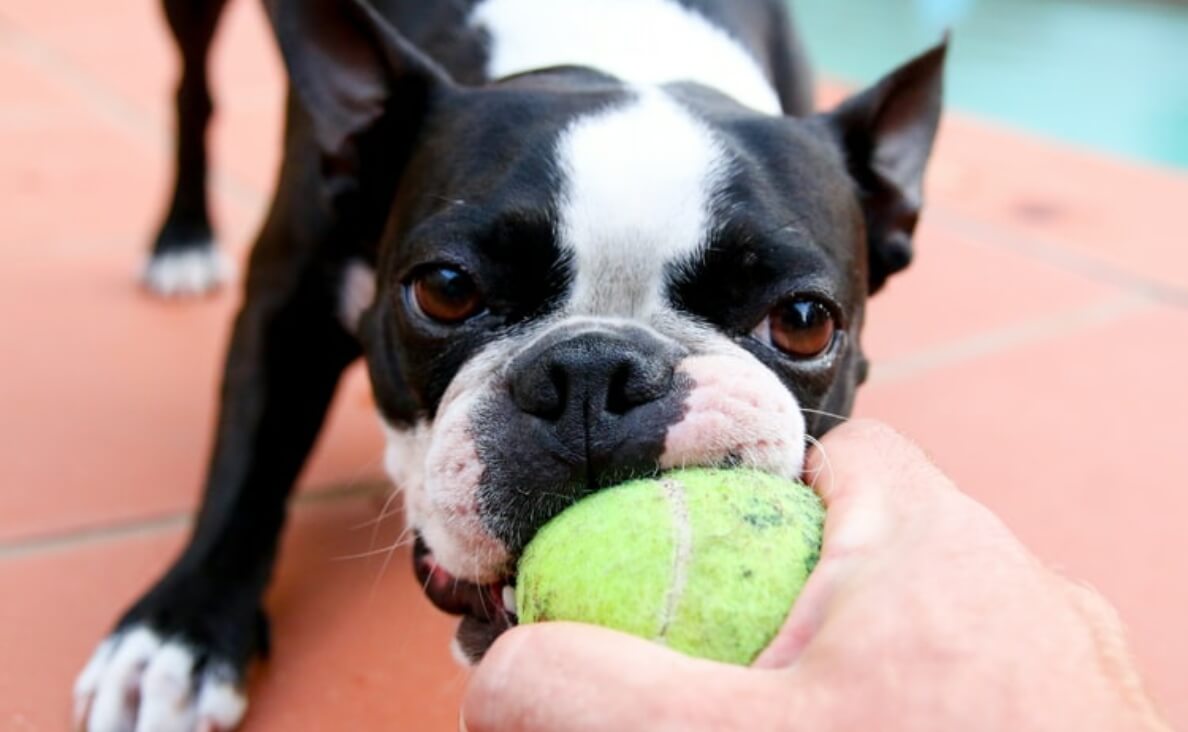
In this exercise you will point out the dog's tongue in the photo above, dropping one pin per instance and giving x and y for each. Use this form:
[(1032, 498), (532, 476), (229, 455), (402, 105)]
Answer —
[(453, 595)]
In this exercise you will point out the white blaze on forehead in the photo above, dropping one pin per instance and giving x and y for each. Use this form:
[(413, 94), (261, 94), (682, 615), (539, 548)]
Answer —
[(638, 41), (638, 190)]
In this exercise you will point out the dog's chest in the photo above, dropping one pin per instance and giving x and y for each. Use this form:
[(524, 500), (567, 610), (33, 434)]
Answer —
[(646, 42)]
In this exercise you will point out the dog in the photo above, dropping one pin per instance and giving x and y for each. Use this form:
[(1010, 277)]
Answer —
[(575, 240)]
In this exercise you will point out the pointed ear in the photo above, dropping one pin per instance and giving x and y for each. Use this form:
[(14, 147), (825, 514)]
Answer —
[(886, 133), (355, 76)]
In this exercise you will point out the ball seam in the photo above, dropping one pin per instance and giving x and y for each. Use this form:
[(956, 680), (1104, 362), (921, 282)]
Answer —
[(682, 552)]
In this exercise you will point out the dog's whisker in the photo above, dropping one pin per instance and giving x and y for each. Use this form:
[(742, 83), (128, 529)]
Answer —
[(384, 513), (451, 201), (379, 519), (402, 540), (362, 475), (827, 464), (360, 555), (390, 550), (375, 584), (481, 595), (822, 412)]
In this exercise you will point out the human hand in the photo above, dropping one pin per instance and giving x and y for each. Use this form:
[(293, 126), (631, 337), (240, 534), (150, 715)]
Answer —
[(924, 613)]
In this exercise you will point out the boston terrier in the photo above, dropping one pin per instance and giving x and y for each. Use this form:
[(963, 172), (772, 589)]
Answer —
[(576, 241)]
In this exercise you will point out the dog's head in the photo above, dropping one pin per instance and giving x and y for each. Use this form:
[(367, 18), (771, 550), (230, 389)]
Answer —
[(578, 280)]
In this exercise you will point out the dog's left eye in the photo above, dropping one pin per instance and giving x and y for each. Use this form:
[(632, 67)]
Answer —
[(801, 327), (445, 294)]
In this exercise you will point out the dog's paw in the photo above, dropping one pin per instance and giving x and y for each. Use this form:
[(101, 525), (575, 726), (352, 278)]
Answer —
[(139, 681), (186, 271)]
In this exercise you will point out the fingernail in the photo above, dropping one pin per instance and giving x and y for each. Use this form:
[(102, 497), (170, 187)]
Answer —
[(461, 722)]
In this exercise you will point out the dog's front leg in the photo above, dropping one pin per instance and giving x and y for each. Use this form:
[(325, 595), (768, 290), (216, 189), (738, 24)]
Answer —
[(176, 659)]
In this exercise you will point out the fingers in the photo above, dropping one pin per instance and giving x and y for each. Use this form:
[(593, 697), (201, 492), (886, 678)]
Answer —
[(575, 678), (566, 677), (865, 472), (868, 475), (862, 457)]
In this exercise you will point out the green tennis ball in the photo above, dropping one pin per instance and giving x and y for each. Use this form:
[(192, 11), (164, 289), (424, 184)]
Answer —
[(707, 562)]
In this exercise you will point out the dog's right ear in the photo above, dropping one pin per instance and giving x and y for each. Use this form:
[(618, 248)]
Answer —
[(886, 133), (363, 85)]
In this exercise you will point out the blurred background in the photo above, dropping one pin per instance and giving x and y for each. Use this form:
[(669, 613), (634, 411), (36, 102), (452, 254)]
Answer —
[(1107, 74), (1037, 347)]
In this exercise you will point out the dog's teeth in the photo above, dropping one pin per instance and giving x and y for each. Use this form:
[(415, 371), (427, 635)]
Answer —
[(509, 599)]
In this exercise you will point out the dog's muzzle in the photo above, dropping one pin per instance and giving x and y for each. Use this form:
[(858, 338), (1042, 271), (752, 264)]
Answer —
[(487, 610), (581, 411), (578, 410)]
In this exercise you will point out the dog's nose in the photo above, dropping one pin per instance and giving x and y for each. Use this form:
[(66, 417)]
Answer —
[(584, 384), (585, 409)]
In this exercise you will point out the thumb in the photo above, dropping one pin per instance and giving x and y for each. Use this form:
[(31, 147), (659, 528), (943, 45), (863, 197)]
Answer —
[(567, 677), (868, 475)]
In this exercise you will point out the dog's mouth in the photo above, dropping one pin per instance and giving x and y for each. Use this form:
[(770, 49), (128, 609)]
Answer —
[(487, 610)]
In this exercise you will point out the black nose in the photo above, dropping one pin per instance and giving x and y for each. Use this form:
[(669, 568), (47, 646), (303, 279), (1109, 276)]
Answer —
[(584, 410), (591, 378)]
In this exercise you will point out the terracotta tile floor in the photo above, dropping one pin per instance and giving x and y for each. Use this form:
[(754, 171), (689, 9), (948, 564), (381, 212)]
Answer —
[(1038, 349)]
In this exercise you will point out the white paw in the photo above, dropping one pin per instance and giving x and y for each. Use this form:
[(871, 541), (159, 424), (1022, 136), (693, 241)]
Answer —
[(188, 271), (137, 682)]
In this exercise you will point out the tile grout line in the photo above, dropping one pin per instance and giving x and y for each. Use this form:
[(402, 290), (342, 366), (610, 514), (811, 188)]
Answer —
[(133, 123), (107, 533), (1060, 257), (102, 534), (1001, 340), (117, 111)]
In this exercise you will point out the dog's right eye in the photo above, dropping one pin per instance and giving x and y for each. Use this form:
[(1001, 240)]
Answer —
[(800, 327), (445, 294)]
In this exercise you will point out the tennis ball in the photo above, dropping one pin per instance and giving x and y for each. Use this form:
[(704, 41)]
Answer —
[(707, 562)]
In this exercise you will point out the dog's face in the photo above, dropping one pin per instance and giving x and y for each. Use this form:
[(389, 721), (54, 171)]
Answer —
[(580, 281)]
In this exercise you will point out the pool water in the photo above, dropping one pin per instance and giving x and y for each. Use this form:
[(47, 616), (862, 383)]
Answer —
[(1109, 74)]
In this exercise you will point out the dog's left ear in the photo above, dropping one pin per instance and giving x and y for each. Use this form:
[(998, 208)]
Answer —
[(364, 87), (886, 133)]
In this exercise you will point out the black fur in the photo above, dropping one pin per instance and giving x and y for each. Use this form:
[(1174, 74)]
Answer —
[(588, 409), (397, 153), (187, 222)]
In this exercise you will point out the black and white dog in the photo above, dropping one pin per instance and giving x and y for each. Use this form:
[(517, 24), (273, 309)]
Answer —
[(575, 240)]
